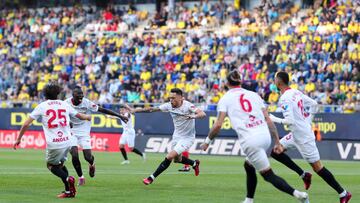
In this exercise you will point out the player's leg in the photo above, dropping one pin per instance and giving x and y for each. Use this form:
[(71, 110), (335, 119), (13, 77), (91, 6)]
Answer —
[(186, 167), (91, 160), (131, 144), (74, 151), (55, 159), (85, 144), (288, 143), (251, 182), (162, 167), (310, 153), (182, 146), (122, 142), (258, 158)]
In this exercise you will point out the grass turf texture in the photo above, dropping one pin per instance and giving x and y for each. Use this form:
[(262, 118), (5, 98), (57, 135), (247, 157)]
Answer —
[(24, 178)]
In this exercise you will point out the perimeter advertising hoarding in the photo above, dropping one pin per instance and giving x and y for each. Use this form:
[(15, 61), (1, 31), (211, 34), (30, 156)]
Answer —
[(332, 126)]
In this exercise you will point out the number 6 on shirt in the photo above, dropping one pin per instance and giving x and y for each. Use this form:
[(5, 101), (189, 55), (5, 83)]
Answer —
[(243, 101)]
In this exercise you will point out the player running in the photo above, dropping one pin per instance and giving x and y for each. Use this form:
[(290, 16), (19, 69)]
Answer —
[(81, 131), (183, 114), (251, 122), (55, 116), (128, 137), (292, 103)]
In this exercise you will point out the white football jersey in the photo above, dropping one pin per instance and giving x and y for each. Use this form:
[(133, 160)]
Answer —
[(292, 103), (184, 128), (55, 118), (245, 111), (82, 127), (128, 127)]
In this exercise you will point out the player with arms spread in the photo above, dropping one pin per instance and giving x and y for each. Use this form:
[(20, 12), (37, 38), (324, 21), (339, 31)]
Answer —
[(55, 116), (183, 114), (128, 137), (251, 122), (292, 103), (81, 131)]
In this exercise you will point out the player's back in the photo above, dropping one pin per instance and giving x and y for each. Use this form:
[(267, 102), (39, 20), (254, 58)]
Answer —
[(245, 110), (55, 117), (293, 104)]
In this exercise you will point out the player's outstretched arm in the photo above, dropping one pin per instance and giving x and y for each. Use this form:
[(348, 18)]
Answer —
[(287, 120), (82, 116), (145, 110), (198, 114), (113, 113), (214, 130), (23, 129), (273, 131)]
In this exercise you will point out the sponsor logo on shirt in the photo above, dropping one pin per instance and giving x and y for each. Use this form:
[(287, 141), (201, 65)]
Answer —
[(61, 139), (60, 134)]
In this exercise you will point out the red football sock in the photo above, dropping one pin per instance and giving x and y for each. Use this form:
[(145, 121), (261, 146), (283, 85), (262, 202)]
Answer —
[(186, 154)]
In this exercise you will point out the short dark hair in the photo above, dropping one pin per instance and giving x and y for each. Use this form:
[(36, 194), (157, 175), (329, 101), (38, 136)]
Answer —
[(177, 91), (234, 78), (77, 88), (283, 76), (52, 91)]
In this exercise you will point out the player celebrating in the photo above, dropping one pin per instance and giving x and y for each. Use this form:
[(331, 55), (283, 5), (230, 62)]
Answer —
[(292, 103), (183, 114), (251, 122), (55, 115), (81, 131), (128, 137)]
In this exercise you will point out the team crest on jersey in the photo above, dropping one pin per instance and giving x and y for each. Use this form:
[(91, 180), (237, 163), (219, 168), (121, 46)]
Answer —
[(285, 107)]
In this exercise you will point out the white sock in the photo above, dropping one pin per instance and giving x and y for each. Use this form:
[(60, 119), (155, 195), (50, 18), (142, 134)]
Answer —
[(82, 176), (303, 175), (343, 194), (152, 177), (248, 200), (297, 193), (194, 164), (67, 192)]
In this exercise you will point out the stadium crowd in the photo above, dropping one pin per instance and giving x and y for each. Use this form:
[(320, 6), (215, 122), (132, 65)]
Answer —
[(321, 52)]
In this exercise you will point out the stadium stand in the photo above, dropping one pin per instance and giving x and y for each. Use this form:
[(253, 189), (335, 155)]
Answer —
[(117, 64)]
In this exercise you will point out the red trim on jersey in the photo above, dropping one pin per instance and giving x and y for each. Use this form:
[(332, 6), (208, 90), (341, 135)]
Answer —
[(286, 89)]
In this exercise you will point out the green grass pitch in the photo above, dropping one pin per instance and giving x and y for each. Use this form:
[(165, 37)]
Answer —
[(24, 178)]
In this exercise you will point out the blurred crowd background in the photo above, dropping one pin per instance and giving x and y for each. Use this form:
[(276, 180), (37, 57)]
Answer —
[(131, 54)]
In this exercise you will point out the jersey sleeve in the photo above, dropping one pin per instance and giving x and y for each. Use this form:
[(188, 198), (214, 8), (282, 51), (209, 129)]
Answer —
[(71, 110), (36, 113), (165, 107), (192, 107), (308, 102), (287, 110), (92, 106), (221, 107)]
